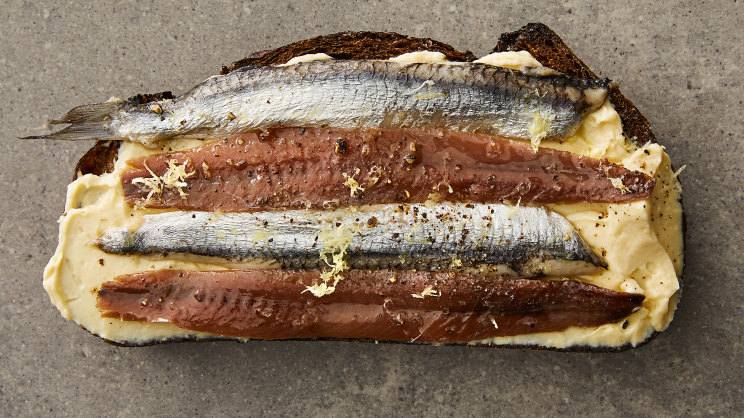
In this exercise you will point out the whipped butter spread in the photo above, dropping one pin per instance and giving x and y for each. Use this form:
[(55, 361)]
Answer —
[(641, 241)]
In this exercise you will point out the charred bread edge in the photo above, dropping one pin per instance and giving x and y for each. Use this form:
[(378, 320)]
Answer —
[(544, 44), (351, 45), (572, 349)]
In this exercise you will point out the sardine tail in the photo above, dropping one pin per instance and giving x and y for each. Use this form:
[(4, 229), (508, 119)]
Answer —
[(91, 113), (86, 122), (77, 132)]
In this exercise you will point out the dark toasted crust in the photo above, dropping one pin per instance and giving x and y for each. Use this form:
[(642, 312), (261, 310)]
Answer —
[(544, 44), (98, 160), (149, 97), (573, 349), (548, 48), (351, 45)]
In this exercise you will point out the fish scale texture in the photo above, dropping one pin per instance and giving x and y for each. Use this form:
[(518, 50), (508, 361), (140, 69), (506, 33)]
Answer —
[(405, 237), (466, 97)]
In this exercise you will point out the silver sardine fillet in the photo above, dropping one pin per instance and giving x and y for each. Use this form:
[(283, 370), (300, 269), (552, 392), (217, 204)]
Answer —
[(495, 238), (353, 94)]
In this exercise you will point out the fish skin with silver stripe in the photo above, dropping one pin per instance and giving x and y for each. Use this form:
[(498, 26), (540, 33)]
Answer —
[(494, 238), (468, 97)]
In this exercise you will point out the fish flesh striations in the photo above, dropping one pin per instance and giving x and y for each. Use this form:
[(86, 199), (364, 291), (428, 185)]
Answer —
[(467, 97), (380, 304), (307, 167), (495, 238)]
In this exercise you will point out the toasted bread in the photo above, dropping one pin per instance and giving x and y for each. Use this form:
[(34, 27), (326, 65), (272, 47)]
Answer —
[(537, 39)]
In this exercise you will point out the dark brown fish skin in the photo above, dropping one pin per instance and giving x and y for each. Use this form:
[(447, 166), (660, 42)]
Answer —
[(269, 304), (305, 167)]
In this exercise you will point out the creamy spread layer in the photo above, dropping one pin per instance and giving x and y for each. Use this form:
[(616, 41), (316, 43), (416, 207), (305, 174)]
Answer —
[(641, 241)]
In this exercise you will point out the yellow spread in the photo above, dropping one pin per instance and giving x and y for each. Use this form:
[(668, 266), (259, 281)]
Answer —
[(641, 241), (510, 59), (420, 56), (305, 58)]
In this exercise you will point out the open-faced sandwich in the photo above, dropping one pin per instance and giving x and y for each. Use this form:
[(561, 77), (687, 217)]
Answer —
[(373, 186)]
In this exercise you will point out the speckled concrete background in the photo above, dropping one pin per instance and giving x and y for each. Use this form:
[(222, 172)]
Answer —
[(679, 62)]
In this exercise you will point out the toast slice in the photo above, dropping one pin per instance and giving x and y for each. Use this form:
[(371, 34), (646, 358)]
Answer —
[(537, 39)]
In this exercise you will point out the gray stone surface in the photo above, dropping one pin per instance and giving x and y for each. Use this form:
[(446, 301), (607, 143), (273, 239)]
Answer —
[(679, 62)]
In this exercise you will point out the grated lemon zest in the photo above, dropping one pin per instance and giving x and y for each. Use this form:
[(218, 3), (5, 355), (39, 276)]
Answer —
[(173, 178), (617, 183), (373, 176), (154, 183), (428, 291), (456, 262), (335, 243), (538, 130), (176, 175), (352, 184)]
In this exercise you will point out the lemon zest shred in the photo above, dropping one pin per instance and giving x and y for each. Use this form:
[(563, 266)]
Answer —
[(352, 184), (456, 262), (538, 130), (176, 175), (373, 176), (335, 243), (154, 183), (173, 178), (617, 183), (428, 291)]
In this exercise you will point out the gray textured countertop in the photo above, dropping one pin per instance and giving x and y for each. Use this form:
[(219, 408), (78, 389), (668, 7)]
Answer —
[(679, 63)]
